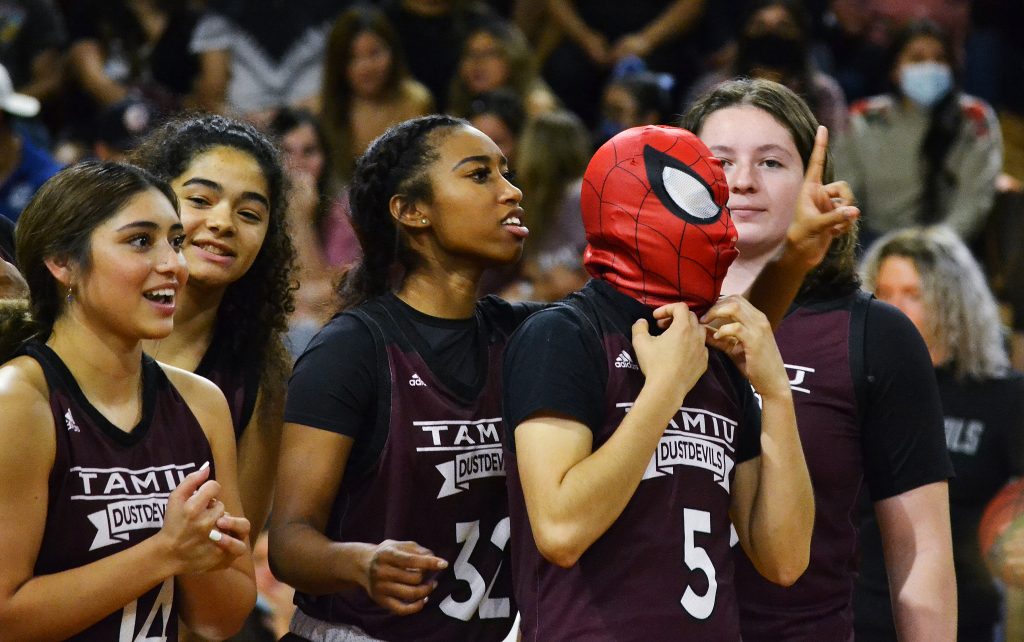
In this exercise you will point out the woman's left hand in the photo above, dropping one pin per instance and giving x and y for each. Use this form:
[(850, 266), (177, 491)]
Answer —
[(823, 212)]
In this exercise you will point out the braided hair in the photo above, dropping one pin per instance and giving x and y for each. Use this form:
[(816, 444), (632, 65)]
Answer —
[(395, 163)]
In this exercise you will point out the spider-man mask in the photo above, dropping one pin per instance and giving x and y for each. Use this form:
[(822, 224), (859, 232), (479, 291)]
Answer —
[(654, 209)]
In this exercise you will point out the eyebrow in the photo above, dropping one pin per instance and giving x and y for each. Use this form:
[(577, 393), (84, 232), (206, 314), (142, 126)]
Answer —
[(482, 158), (205, 182), (147, 225), (770, 147)]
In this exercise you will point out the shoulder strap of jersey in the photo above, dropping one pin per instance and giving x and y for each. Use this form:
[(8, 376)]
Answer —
[(858, 367), (580, 308), (359, 466)]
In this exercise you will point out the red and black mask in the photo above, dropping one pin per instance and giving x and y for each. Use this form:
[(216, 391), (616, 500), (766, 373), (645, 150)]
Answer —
[(654, 210)]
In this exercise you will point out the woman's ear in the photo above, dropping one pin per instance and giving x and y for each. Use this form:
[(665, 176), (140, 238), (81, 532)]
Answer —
[(409, 213), (61, 270)]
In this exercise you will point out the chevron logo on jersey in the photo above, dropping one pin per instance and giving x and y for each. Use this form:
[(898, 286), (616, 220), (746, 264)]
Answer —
[(625, 361)]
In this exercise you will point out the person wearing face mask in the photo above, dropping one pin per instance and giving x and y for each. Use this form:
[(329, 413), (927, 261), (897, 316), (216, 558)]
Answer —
[(925, 152), (774, 43)]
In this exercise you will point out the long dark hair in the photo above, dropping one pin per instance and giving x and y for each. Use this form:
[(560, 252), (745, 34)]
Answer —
[(58, 224), (944, 122), (254, 311), (336, 95), (395, 163), (837, 273)]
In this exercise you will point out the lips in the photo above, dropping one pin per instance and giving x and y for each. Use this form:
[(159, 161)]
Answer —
[(213, 247), (513, 222)]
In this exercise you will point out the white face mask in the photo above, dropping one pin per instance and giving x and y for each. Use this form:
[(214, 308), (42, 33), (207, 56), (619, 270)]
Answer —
[(926, 83)]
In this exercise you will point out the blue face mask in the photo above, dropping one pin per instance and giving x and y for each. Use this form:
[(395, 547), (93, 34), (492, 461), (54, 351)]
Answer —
[(926, 83)]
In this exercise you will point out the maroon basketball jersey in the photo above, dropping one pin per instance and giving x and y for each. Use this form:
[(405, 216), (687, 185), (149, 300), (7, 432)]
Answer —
[(664, 569), (108, 488), (439, 481), (239, 384)]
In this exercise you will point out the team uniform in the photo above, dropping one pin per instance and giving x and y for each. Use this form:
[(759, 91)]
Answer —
[(421, 398), (108, 488), (984, 423), (664, 569), (867, 411), (239, 385)]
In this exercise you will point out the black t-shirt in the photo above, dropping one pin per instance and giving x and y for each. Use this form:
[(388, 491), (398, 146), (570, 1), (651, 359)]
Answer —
[(868, 412), (984, 426), (427, 462), (641, 580)]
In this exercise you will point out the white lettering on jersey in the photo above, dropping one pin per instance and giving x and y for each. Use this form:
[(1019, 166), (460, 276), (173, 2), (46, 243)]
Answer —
[(963, 435), (477, 445)]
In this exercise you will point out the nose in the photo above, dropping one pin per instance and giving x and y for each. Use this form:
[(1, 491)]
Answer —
[(220, 219), (172, 262), (511, 193), (742, 178)]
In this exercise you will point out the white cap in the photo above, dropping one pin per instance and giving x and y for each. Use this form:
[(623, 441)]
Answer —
[(15, 103)]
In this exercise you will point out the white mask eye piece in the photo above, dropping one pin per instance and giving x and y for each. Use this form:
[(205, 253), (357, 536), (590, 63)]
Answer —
[(691, 195)]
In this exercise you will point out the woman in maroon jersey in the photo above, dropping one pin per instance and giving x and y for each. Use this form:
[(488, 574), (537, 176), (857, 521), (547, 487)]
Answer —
[(866, 401), (111, 524), (234, 310), (391, 516)]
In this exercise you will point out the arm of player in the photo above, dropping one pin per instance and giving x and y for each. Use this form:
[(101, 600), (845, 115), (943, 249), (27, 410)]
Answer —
[(918, 552), (773, 502), (394, 574), (36, 607), (574, 494), (258, 451), (823, 213), (215, 601)]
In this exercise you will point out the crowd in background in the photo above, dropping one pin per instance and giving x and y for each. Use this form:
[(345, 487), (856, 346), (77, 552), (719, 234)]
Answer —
[(923, 100)]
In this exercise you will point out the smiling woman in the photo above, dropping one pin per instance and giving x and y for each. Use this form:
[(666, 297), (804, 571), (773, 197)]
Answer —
[(392, 485), (228, 325), (89, 419)]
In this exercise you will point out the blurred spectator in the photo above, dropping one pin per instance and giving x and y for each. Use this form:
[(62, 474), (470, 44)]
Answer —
[(774, 43), (366, 86), (855, 49), (553, 153), (632, 100), (925, 152), (126, 48), (500, 115), (120, 127), (930, 275), (599, 34), (259, 55), (32, 37), (23, 166), (496, 55), (318, 221), (432, 33)]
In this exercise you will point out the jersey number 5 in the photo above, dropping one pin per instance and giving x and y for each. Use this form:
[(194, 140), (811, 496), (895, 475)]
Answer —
[(468, 534), (696, 558)]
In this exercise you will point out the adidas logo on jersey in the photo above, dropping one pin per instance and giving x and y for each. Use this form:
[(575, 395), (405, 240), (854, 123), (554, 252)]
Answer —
[(416, 381), (625, 361), (70, 421)]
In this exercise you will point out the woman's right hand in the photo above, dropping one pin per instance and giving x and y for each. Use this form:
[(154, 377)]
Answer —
[(400, 575), (677, 356), (190, 521)]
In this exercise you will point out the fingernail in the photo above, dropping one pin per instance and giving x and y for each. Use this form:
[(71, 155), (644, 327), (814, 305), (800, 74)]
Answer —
[(206, 464), (442, 564), (216, 535)]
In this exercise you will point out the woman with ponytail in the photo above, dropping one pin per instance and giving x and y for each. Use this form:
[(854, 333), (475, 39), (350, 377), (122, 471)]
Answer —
[(108, 459), (391, 515)]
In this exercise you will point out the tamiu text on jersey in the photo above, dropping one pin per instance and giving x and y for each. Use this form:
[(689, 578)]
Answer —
[(476, 446)]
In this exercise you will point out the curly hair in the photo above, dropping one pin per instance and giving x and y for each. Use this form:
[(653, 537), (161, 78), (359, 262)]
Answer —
[(254, 312), (395, 163), (962, 315), (58, 223), (836, 275)]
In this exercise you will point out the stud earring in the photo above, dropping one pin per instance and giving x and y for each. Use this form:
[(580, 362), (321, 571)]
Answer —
[(423, 220)]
